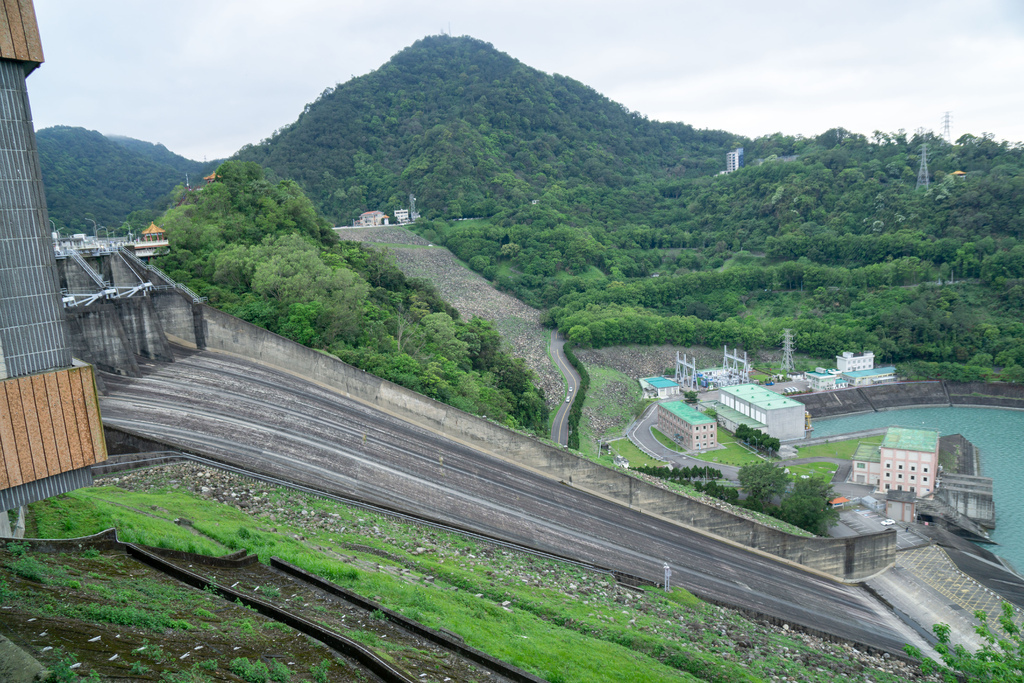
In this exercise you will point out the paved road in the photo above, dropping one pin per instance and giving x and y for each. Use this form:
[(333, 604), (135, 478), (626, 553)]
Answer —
[(560, 427), (640, 434), (284, 426)]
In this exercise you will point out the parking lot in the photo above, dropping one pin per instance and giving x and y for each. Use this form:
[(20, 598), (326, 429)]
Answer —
[(861, 522)]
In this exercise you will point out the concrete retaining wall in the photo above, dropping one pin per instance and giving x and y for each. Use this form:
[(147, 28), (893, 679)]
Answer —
[(889, 396), (832, 403), (995, 394), (97, 337), (851, 559)]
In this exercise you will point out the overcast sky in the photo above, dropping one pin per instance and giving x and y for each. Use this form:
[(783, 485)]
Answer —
[(205, 78)]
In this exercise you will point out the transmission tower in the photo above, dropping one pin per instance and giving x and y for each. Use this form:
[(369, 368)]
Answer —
[(787, 352), (922, 173), (947, 119)]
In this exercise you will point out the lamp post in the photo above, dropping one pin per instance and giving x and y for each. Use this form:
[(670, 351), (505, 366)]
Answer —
[(93, 226)]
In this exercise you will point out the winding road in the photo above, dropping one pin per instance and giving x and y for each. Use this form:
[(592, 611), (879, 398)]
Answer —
[(560, 426), (269, 421)]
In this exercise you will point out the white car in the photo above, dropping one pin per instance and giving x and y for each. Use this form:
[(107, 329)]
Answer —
[(888, 522), (568, 398)]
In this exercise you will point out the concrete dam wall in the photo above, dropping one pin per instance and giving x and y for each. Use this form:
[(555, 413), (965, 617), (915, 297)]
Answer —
[(206, 327), (912, 395)]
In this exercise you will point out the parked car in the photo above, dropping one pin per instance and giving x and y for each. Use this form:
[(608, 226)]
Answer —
[(888, 522)]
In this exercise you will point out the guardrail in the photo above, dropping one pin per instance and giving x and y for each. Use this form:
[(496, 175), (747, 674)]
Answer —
[(132, 258)]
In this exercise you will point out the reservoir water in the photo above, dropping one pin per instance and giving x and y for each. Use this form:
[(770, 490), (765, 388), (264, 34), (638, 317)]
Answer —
[(998, 434)]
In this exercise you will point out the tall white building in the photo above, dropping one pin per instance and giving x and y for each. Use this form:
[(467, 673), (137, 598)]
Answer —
[(853, 362), (734, 160)]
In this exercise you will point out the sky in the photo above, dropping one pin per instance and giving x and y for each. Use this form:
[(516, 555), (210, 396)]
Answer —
[(206, 78)]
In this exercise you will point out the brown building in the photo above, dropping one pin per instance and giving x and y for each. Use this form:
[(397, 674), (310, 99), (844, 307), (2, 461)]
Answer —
[(687, 426)]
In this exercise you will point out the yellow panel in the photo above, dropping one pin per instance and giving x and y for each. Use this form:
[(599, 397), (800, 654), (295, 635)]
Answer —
[(10, 469), (35, 438), (45, 422), (60, 434), (17, 30), (81, 416), (70, 421), (31, 26), (99, 441), (6, 44)]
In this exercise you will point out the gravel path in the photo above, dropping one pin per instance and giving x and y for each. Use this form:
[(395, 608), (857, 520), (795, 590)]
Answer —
[(472, 295)]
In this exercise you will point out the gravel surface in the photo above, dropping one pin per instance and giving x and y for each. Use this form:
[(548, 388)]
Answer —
[(647, 361), (472, 295)]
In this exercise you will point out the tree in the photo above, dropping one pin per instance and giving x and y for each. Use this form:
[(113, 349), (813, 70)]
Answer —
[(808, 506), (999, 659), (763, 481), (690, 396)]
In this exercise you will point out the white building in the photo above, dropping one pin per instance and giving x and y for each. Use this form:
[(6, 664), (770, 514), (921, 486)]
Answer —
[(867, 378), (760, 408), (853, 362), (401, 216), (734, 160), (822, 380), (661, 387)]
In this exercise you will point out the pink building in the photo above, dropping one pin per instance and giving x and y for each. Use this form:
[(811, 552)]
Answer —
[(907, 460)]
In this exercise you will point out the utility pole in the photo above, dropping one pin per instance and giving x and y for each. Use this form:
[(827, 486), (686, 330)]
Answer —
[(922, 172)]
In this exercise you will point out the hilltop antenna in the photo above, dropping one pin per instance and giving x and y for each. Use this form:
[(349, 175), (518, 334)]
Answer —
[(787, 352), (922, 173), (947, 118)]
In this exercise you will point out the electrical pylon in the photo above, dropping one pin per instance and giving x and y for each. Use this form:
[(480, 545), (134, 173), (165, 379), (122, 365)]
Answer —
[(947, 119), (787, 352), (922, 173)]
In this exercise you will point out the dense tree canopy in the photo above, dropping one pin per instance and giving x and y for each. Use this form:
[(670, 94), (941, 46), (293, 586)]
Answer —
[(90, 177), (259, 250)]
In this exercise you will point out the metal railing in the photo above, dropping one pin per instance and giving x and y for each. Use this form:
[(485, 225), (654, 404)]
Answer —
[(132, 258)]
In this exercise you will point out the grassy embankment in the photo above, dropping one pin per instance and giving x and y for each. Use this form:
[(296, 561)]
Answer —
[(562, 623)]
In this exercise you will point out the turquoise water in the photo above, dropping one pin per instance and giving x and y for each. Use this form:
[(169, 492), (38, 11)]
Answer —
[(998, 434)]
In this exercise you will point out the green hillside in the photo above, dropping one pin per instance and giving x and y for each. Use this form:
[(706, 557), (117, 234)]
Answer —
[(471, 131), (260, 251), (90, 177)]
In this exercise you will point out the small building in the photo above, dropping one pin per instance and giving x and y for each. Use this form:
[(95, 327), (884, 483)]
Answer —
[(687, 426), (901, 506), (372, 219), (869, 378), (401, 216), (906, 460), (840, 502), (760, 408), (662, 387), (822, 380), (853, 362)]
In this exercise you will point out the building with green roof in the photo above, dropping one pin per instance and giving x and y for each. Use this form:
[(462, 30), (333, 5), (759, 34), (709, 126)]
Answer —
[(687, 426), (781, 416), (662, 387), (906, 460)]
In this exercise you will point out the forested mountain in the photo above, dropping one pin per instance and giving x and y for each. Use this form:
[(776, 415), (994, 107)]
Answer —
[(90, 176), (583, 202), (470, 131), (259, 250)]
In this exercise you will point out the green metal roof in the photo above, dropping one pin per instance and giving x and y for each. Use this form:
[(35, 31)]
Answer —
[(687, 413), (659, 382), (868, 452), (760, 397), (738, 417), (889, 370), (924, 440)]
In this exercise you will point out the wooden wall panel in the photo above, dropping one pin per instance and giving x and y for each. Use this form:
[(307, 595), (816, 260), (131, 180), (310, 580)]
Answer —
[(23, 449), (67, 401), (60, 435), (81, 416), (32, 41), (92, 405), (45, 421), (6, 44), (19, 31), (49, 423), (8, 447), (35, 438)]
